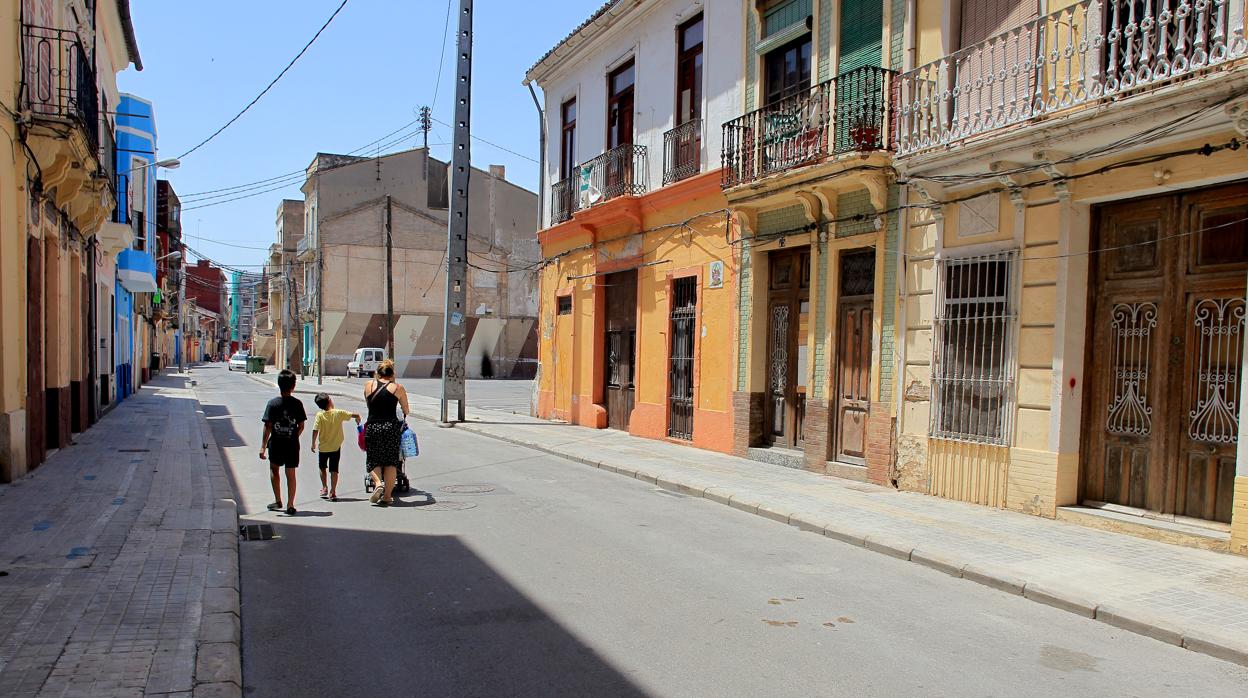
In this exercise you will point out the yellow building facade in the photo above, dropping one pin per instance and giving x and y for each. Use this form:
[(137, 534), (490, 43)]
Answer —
[(1074, 263), (808, 173), (57, 184)]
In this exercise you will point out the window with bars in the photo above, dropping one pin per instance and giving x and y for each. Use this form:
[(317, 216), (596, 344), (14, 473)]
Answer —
[(973, 375), (565, 305)]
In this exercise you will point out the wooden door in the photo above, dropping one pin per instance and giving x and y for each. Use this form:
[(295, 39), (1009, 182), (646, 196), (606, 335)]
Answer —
[(789, 297), (853, 356), (1165, 353), (35, 395), (620, 346)]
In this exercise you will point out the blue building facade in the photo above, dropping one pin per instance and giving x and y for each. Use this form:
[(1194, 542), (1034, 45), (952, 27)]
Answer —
[(134, 331)]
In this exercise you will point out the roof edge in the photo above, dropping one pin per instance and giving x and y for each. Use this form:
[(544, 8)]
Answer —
[(127, 25), (600, 21)]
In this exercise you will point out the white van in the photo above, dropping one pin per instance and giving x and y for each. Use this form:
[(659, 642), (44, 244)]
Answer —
[(365, 361)]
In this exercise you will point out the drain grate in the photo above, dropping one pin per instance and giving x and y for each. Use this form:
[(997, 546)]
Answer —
[(256, 532), (445, 506), (467, 489)]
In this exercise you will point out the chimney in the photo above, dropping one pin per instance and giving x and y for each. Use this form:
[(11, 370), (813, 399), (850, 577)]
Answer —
[(498, 171)]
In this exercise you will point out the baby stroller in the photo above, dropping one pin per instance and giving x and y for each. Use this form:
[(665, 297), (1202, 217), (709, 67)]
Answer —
[(401, 483)]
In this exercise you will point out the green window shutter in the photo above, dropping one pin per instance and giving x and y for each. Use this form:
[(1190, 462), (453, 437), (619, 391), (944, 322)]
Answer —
[(862, 34)]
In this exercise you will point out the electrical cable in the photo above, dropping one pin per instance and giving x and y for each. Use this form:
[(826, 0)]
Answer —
[(446, 24), (271, 84), (491, 143), (300, 171)]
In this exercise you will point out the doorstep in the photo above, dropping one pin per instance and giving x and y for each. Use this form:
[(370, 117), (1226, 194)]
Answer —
[(776, 455), (1191, 535)]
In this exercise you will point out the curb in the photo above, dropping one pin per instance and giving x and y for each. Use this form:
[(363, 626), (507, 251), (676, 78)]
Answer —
[(218, 652), (1229, 649)]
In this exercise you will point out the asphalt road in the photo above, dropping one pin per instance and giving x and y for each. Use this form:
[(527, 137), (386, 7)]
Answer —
[(534, 576), (507, 395)]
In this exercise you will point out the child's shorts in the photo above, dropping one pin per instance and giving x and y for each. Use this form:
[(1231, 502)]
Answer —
[(284, 455), (330, 460)]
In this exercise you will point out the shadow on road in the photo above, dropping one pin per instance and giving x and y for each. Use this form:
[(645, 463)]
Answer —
[(345, 612)]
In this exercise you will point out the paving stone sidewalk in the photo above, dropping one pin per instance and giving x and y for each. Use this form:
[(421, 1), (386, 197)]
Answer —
[(1188, 597), (120, 560)]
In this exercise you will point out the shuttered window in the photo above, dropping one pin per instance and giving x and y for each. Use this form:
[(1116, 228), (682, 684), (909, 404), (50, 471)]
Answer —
[(862, 34), (990, 19)]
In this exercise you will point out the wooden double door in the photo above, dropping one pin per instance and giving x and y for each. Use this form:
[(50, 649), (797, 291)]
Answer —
[(1165, 353)]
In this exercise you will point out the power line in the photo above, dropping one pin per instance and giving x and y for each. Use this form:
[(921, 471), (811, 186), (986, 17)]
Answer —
[(270, 85), (491, 143), (301, 170), (442, 55)]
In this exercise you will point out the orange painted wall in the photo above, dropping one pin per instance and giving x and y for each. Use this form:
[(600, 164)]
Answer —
[(571, 345)]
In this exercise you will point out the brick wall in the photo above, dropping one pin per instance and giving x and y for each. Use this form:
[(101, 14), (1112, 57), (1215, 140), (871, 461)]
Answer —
[(747, 421), (880, 444)]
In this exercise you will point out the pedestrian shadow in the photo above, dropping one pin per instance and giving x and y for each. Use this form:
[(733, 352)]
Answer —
[(426, 499), (305, 513), (404, 614)]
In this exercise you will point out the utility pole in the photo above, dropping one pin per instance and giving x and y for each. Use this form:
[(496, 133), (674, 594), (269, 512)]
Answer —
[(426, 123), (389, 282), (288, 316), (454, 336), (320, 357), (181, 316)]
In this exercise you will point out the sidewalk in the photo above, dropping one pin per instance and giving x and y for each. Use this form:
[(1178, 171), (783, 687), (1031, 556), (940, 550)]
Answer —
[(1188, 597), (119, 560)]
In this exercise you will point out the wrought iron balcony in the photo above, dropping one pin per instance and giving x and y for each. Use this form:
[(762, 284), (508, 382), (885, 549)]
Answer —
[(621, 171), (562, 200), (59, 79), (1078, 55), (682, 152), (850, 113)]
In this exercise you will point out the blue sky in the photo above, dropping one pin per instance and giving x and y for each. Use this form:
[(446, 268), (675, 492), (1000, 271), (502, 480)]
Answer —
[(363, 78)]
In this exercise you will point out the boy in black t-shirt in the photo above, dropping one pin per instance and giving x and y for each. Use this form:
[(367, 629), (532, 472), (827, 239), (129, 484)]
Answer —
[(283, 424)]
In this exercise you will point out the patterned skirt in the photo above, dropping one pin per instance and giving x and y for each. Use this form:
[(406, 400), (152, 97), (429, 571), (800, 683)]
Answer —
[(382, 441)]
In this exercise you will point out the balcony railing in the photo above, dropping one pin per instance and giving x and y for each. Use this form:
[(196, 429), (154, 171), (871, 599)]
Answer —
[(682, 151), (621, 171), (59, 79), (121, 189), (1089, 51), (850, 113)]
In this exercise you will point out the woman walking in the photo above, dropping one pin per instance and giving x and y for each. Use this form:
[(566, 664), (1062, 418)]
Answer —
[(383, 430)]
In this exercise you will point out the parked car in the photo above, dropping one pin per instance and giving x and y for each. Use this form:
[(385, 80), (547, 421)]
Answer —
[(365, 361), (238, 361)]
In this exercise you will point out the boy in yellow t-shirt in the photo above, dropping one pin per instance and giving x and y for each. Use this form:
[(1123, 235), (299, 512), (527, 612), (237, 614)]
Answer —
[(327, 432)]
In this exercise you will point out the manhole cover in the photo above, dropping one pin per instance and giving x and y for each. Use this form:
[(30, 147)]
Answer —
[(445, 506), (256, 532), (467, 489), (134, 450)]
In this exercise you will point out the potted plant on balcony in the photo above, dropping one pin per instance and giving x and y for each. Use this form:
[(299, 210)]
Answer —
[(864, 134)]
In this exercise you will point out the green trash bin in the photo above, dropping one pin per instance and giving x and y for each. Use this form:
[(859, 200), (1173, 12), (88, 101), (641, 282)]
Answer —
[(255, 364)]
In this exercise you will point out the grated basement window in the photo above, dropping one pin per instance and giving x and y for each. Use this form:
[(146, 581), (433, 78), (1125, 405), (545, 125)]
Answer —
[(973, 374)]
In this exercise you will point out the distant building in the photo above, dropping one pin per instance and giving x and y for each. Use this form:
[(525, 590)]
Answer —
[(344, 234), (286, 288), (205, 284), (244, 290)]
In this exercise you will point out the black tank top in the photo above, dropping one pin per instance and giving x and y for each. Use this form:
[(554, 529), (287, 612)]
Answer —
[(382, 404)]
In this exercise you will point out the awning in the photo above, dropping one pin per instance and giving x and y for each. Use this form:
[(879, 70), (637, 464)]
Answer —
[(137, 271)]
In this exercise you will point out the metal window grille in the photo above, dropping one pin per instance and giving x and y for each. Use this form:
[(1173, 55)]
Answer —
[(974, 372), (684, 317), (565, 305)]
